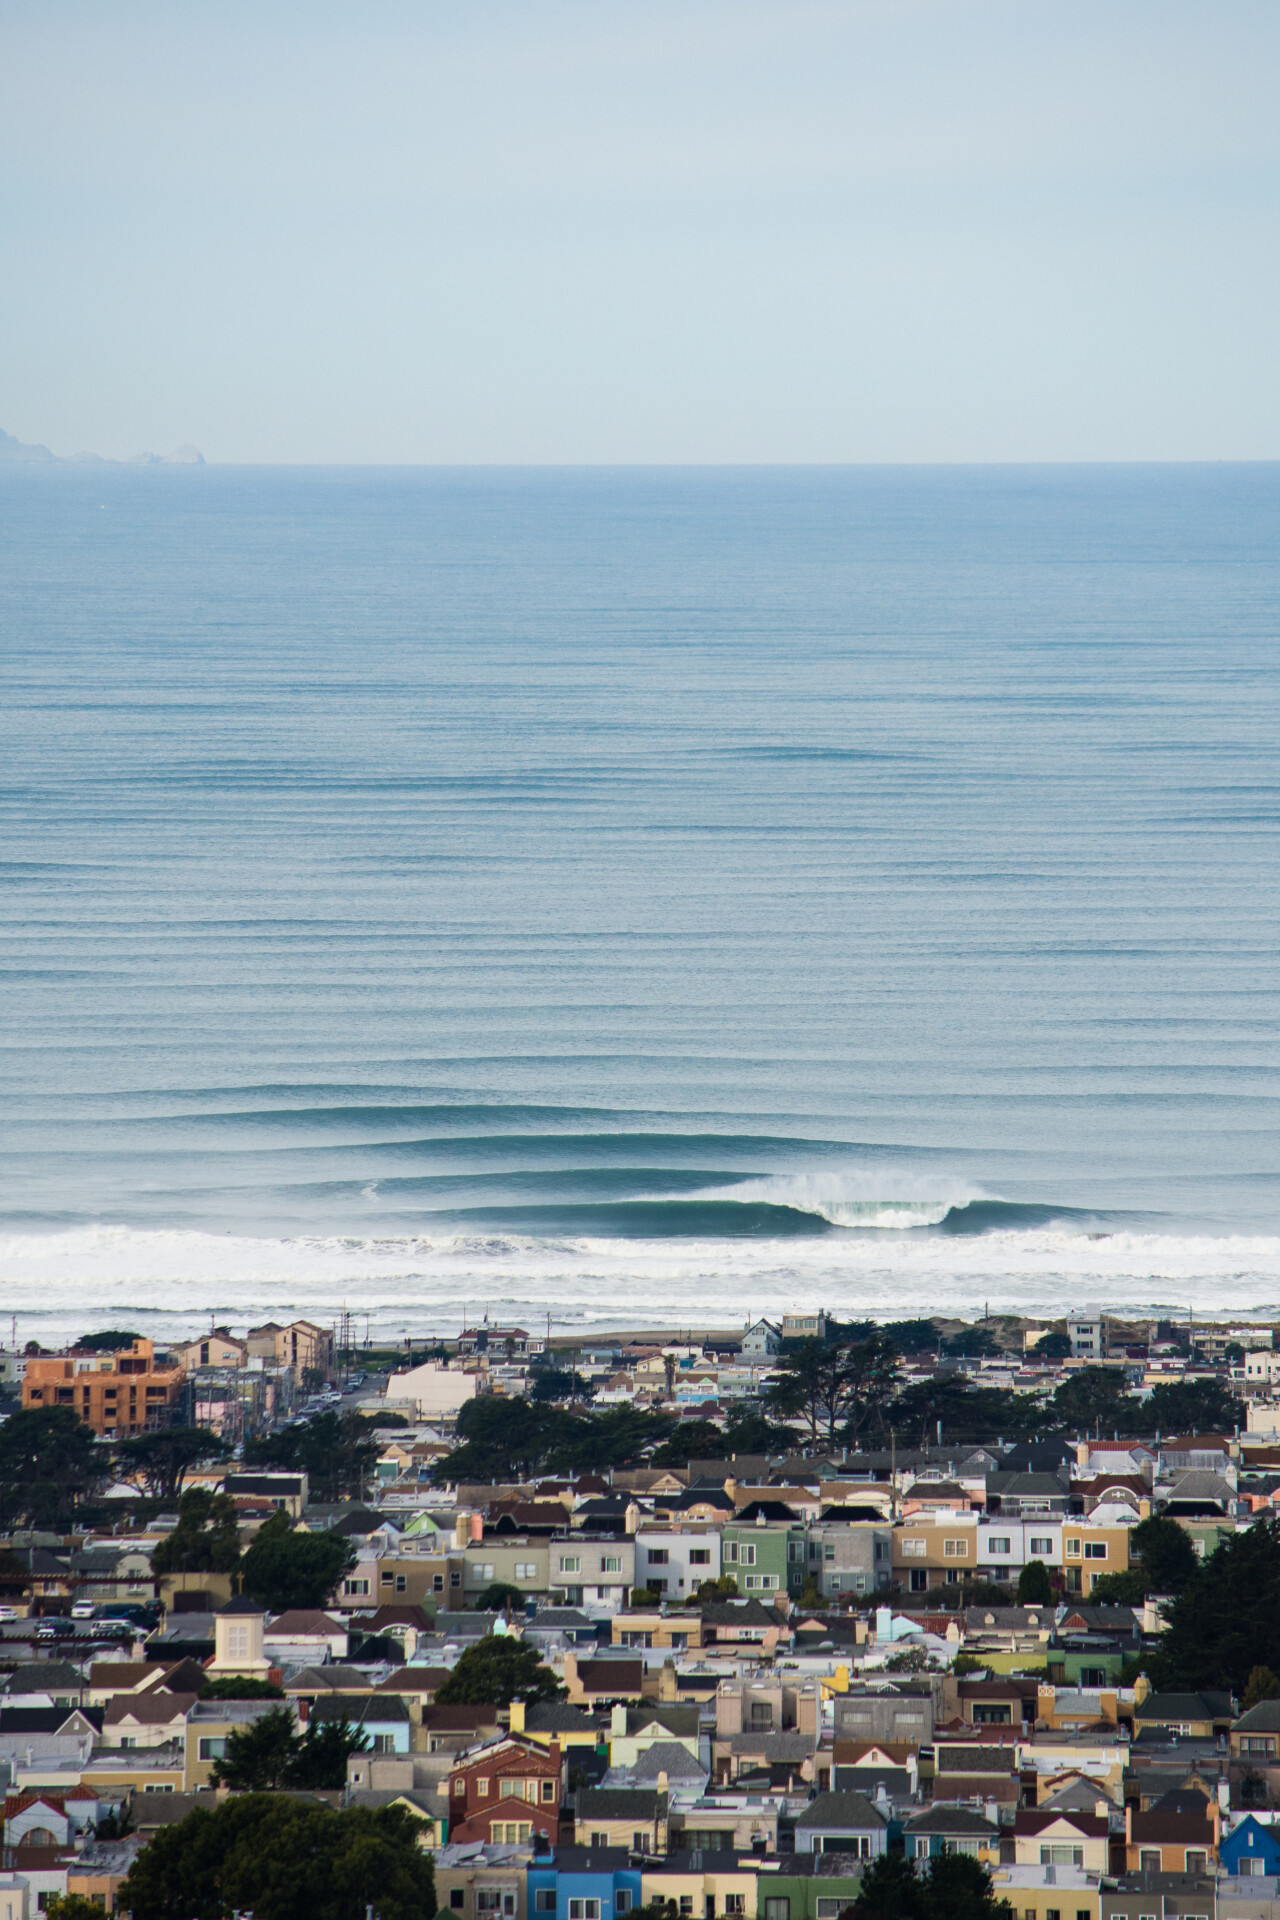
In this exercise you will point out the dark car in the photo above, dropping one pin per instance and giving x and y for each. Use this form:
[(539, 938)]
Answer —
[(55, 1628)]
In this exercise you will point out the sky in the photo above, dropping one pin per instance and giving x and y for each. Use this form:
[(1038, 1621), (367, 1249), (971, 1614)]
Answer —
[(642, 230)]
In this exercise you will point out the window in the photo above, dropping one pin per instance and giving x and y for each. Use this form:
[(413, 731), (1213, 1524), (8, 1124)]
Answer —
[(1072, 1549), (1095, 1549), (1149, 1860), (1196, 1860), (459, 1787), (544, 1900), (483, 1572), (699, 1556), (1093, 1676), (570, 1563), (658, 1556), (482, 1787), (998, 1543), (914, 1549), (735, 1903), (777, 1909), (355, 1586), (746, 1553), (1041, 1546), (455, 1577), (437, 1583), (1060, 1854), (548, 1789), (1254, 1743), (611, 1563), (686, 1906), (832, 1909), (761, 1716), (584, 1910), (528, 1569), (488, 1899), (729, 1551), (622, 1900), (384, 1743), (402, 1583), (457, 1898), (919, 1579), (828, 1552), (511, 1832), (599, 1840), (213, 1747), (955, 1549)]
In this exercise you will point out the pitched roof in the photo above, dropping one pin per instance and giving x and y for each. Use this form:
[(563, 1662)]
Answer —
[(667, 1756), (1173, 1829), (1184, 1706), (953, 1819), (303, 1620), (1264, 1718), (838, 1810), (157, 1709)]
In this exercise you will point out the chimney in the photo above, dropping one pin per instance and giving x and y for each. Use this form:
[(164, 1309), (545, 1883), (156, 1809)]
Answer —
[(516, 1722), (573, 1686), (731, 1486), (662, 1783), (477, 1527), (1128, 1823), (1144, 1509), (462, 1530), (632, 1517), (1102, 1809), (1082, 1453)]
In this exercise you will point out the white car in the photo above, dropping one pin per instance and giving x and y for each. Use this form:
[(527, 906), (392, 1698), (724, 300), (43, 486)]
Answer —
[(8, 1613), (82, 1610)]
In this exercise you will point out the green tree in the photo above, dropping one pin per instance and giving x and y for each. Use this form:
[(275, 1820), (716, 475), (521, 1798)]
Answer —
[(336, 1451), (72, 1906), (977, 1342), (1168, 1558), (951, 1887), (1128, 1589), (1192, 1406), (258, 1756), (1093, 1397), (111, 1340), (231, 1686), (871, 1375), (270, 1753), (285, 1567), (48, 1463), (283, 1859), (1261, 1685), (692, 1440), (160, 1461), (1052, 1346), (504, 1437), (617, 1437), (913, 1336), (1034, 1586), (1226, 1621), (206, 1538), (963, 1411), (725, 1588), (498, 1670), (497, 1597), (560, 1383), (751, 1431)]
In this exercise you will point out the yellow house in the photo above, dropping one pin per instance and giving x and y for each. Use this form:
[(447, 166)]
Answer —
[(209, 1726), (1032, 1895), (550, 1720), (721, 1885), (1089, 1552)]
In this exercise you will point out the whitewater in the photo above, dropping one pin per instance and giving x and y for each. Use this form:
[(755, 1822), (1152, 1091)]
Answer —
[(637, 897)]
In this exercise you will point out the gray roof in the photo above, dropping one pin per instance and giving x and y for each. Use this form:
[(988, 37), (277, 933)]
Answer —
[(1264, 1718), (667, 1756), (773, 1746), (556, 1716), (619, 1803), (679, 1720), (837, 1812), (953, 1819), (46, 1676), (386, 1709), (1184, 1706)]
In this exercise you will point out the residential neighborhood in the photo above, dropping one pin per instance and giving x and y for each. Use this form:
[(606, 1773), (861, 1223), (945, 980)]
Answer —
[(718, 1622)]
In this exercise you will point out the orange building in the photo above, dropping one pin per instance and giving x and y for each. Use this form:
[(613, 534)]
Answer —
[(113, 1393)]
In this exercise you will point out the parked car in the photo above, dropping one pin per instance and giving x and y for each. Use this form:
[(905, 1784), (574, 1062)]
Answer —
[(54, 1628), (7, 1614), (83, 1610)]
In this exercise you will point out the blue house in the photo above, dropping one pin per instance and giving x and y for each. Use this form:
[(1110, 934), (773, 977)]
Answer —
[(583, 1883), (1250, 1849), (384, 1717)]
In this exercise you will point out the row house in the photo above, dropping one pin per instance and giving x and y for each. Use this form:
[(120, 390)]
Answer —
[(506, 1792)]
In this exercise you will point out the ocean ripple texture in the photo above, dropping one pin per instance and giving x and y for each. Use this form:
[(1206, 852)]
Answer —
[(637, 897)]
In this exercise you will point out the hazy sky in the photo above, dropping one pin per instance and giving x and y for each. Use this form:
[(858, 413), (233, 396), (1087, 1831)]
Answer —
[(651, 230)]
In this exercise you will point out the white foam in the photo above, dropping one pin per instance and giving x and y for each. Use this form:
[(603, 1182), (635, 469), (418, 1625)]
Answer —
[(62, 1283), (881, 1198)]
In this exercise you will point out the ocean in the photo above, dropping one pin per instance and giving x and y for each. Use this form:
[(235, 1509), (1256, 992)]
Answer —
[(638, 897)]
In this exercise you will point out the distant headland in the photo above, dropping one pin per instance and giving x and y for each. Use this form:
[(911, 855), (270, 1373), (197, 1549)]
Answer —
[(21, 450)]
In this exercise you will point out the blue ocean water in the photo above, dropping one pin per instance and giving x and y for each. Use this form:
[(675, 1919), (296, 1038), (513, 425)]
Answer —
[(647, 896)]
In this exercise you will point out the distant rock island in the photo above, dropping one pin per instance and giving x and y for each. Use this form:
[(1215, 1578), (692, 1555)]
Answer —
[(22, 450)]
